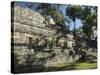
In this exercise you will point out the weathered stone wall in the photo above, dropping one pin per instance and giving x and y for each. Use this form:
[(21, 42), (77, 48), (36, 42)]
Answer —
[(28, 23)]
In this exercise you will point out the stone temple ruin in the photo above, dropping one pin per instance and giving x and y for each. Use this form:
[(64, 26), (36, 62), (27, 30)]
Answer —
[(35, 43)]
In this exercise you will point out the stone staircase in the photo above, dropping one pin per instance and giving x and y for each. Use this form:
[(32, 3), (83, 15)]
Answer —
[(46, 57)]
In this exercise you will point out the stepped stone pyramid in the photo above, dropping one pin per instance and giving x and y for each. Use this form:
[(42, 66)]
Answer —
[(29, 26)]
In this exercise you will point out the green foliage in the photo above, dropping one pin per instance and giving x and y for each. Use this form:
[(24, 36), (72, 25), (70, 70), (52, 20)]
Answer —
[(48, 9), (88, 16), (89, 19), (73, 12), (87, 31), (58, 17)]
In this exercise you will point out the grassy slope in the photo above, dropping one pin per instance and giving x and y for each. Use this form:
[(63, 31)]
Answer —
[(75, 66), (86, 65)]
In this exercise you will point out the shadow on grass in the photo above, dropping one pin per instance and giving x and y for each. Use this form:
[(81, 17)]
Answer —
[(67, 67), (41, 68), (75, 66), (86, 61)]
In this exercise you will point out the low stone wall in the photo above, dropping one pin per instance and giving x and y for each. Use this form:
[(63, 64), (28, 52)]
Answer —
[(53, 59)]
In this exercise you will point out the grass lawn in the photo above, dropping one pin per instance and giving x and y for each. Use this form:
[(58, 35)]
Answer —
[(85, 65), (75, 66)]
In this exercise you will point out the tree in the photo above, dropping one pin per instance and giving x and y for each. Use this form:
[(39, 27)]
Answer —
[(53, 11), (89, 20), (58, 17), (73, 12), (88, 16)]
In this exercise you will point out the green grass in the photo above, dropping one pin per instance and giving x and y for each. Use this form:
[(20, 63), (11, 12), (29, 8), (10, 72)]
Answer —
[(86, 65), (75, 66)]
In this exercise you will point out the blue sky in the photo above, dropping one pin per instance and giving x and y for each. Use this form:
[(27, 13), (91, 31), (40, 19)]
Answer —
[(78, 24), (63, 10), (71, 25)]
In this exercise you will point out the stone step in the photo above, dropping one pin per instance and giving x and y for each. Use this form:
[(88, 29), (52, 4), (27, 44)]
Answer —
[(55, 48)]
